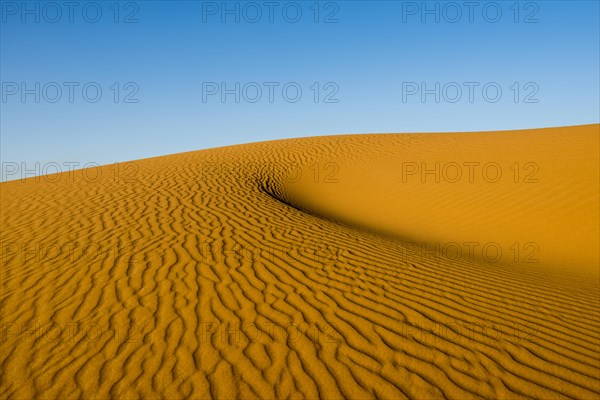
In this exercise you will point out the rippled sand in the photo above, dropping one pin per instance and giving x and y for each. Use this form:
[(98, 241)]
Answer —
[(359, 266)]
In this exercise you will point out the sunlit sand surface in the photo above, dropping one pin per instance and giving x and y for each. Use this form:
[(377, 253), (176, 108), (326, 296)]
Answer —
[(395, 266)]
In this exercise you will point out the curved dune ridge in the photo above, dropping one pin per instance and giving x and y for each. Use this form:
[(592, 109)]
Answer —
[(327, 267)]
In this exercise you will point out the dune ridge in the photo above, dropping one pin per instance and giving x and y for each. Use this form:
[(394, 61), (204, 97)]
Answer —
[(292, 269)]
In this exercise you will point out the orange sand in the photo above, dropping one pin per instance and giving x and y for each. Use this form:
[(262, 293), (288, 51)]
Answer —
[(327, 267)]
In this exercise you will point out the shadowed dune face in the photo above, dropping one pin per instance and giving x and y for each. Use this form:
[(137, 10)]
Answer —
[(310, 268), (536, 187)]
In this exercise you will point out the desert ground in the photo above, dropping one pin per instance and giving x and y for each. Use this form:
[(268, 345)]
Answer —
[(421, 266)]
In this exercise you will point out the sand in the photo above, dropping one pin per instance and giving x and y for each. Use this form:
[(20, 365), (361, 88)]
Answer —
[(357, 266)]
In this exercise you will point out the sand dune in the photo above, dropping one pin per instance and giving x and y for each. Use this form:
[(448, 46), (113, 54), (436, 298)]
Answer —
[(359, 266)]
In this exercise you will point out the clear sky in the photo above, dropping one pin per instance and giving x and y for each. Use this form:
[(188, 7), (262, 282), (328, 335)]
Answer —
[(100, 82)]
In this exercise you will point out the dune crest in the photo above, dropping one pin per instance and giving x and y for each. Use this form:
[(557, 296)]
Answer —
[(310, 268)]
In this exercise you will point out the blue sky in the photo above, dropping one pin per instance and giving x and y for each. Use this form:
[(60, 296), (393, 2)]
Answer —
[(361, 67)]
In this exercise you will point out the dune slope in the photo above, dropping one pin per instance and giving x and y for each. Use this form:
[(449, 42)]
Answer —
[(309, 268)]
